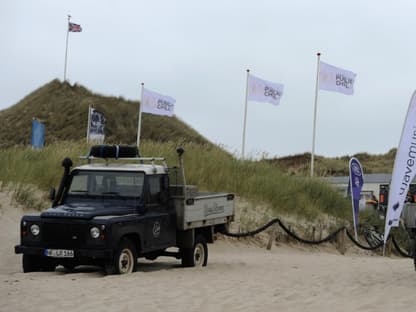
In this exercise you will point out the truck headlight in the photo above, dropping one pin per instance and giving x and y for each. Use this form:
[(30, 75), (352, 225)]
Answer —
[(95, 232), (34, 229)]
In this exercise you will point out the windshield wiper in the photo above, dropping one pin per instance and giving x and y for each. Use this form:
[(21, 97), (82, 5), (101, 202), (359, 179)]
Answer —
[(111, 193), (120, 196), (78, 191)]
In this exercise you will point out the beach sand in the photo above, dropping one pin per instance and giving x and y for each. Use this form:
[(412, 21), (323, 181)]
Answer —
[(240, 276)]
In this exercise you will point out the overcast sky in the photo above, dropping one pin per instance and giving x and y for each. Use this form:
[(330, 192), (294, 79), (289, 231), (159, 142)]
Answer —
[(198, 53)]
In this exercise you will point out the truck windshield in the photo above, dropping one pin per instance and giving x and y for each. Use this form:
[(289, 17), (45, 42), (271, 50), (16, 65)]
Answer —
[(110, 183)]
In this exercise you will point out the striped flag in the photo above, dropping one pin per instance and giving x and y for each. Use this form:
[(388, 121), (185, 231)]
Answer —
[(72, 27)]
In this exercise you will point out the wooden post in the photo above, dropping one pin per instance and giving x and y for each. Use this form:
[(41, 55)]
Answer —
[(272, 238), (288, 236), (340, 239), (389, 246)]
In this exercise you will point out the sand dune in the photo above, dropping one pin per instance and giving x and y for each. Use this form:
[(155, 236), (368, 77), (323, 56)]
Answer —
[(239, 277)]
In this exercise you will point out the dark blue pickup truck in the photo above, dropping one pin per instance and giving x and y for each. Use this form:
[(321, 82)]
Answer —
[(115, 209)]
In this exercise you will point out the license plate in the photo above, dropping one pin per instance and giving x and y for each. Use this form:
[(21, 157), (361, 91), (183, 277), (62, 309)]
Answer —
[(59, 253)]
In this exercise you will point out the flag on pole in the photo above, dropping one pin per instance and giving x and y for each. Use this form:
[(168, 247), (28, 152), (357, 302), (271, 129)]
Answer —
[(38, 134), (96, 123), (356, 184), (264, 91), (157, 104), (404, 169), (72, 27), (336, 79)]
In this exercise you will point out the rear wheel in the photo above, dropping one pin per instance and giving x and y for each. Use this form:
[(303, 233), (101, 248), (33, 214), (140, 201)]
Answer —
[(414, 262), (196, 256), (125, 259)]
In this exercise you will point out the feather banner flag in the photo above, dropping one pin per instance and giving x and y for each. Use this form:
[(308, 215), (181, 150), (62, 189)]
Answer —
[(404, 169)]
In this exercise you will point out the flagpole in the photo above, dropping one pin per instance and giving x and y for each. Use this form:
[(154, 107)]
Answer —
[(245, 119), (89, 123), (314, 114), (139, 124), (66, 49)]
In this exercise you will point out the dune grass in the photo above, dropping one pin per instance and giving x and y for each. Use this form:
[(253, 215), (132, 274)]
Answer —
[(207, 166), (299, 165)]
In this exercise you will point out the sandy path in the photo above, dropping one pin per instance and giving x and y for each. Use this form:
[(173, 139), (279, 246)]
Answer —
[(239, 277)]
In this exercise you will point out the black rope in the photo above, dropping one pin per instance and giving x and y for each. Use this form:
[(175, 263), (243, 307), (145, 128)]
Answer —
[(307, 241), (252, 233), (358, 244), (330, 237), (288, 231)]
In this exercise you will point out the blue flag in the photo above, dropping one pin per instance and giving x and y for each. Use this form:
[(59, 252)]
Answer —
[(38, 134), (356, 183)]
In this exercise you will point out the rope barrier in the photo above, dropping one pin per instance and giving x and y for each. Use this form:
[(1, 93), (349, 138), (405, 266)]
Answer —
[(311, 242), (252, 233), (358, 244), (328, 238)]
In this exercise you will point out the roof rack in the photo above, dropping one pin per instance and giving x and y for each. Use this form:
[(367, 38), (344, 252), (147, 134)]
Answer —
[(114, 151), (125, 152)]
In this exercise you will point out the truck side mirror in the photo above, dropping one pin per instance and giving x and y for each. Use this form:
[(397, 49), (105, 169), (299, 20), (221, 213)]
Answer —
[(52, 194), (180, 151)]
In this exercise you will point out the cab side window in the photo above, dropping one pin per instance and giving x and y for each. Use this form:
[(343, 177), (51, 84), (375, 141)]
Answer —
[(154, 189)]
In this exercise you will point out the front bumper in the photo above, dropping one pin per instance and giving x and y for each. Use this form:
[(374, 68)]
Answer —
[(78, 253)]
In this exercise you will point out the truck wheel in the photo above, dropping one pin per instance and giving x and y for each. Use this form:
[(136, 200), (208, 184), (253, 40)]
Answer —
[(30, 263), (196, 256), (36, 263), (125, 259)]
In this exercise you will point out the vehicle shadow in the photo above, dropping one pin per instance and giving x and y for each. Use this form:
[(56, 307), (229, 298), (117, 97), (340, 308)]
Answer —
[(151, 266), (142, 266)]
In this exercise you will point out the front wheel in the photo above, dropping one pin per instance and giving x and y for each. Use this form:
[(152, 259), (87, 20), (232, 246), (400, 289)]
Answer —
[(125, 259), (196, 256), (36, 263)]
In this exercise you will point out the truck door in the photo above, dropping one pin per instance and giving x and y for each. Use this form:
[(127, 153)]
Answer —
[(160, 217)]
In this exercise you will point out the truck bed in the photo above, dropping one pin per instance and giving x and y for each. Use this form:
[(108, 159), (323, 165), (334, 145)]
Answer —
[(200, 209)]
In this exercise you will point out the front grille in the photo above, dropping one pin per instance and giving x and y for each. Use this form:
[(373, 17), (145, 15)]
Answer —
[(61, 235)]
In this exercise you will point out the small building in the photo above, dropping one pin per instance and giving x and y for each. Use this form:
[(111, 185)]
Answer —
[(372, 182), (370, 190)]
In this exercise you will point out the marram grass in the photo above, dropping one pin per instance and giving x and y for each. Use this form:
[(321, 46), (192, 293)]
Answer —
[(207, 166)]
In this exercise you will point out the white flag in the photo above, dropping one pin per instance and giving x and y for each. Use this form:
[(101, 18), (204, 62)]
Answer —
[(404, 169), (158, 104), (336, 79), (96, 126), (264, 91)]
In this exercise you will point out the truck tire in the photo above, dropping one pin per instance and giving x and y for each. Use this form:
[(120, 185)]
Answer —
[(196, 256), (36, 264), (125, 259)]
